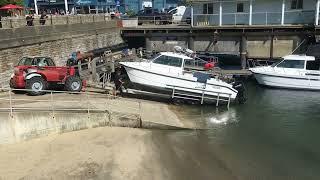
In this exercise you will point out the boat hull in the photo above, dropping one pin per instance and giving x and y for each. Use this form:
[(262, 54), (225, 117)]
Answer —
[(168, 83), (278, 81)]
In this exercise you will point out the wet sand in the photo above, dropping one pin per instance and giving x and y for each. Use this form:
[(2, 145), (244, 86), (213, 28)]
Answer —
[(108, 153)]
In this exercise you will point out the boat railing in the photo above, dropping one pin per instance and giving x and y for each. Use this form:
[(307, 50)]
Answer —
[(176, 93), (258, 63)]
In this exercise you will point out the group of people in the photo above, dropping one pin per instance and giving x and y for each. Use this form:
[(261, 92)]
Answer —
[(42, 20)]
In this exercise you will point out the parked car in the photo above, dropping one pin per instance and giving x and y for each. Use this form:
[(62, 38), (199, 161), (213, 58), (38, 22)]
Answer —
[(37, 73), (149, 15), (181, 14)]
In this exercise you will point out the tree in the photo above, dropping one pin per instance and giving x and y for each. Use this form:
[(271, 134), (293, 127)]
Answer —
[(185, 2), (17, 2), (3, 2)]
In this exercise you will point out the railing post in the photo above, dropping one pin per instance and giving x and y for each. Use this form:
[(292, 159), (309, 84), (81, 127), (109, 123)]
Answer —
[(250, 13), (217, 103), (202, 97), (192, 16), (266, 18), (52, 105), (94, 70), (79, 67), (10, 102), (220, 14), (317, 13), (229, 101), (282, 12), (235, 18), (88, 106), (173, 92)]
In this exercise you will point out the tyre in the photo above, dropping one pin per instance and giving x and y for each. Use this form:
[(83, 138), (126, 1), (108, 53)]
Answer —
[(36, 85), (73, 84)]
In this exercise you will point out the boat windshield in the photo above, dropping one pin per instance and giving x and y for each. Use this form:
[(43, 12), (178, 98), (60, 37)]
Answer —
[(168, 60), (289, 63), (276, 63)]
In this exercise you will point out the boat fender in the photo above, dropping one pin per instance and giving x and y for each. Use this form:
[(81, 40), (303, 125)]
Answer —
[(209, 65)]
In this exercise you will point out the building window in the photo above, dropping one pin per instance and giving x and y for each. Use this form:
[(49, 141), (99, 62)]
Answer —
[(207, 8), (210, 8), (297, 4), (240, 7)]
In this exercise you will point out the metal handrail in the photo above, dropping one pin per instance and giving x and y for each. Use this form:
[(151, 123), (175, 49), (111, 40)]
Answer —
[(266, 19), (202, 97), (52, 103)]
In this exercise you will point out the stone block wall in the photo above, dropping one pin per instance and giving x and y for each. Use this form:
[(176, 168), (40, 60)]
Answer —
[(57, 42), (17, 22)]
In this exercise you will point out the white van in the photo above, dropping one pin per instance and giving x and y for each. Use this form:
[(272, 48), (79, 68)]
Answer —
[(181, 14)]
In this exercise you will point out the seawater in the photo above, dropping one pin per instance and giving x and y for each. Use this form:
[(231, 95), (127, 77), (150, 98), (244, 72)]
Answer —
[(274, 135)]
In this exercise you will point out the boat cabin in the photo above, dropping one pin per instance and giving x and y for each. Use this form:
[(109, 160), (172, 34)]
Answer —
[(302, 62), (179, 60)]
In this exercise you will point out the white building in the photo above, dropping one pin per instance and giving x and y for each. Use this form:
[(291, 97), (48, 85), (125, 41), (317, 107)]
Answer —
[(255, 12)]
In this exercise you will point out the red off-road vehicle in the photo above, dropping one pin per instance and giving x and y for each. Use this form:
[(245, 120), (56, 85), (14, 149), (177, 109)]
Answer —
[(37, 73)]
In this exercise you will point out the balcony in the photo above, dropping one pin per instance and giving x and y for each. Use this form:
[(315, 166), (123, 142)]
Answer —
[(258, 18)]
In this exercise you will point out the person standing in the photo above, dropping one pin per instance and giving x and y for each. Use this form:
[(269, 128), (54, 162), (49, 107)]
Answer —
[(43, 18), (29, 20), (118, 82)]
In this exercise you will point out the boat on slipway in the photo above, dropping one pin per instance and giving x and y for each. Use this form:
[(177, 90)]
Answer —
[(181, 75)]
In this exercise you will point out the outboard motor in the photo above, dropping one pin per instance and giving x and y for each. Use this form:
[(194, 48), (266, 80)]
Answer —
[(240, 87)]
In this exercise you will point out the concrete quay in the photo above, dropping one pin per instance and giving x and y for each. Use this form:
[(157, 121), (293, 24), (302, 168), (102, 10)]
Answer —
[(34, 117)]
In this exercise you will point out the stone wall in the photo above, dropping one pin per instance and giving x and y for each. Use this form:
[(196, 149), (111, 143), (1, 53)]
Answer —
[(17, 22), (57, 42), (164, 44)]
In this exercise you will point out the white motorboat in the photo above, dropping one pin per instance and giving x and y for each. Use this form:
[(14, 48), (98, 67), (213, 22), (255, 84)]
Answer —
[(293, 71), (179, 74)]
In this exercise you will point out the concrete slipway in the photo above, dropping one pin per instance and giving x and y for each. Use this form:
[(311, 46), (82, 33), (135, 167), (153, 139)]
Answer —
[(55, 113)]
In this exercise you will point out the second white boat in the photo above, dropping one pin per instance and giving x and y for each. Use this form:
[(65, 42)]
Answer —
[(294, 72)]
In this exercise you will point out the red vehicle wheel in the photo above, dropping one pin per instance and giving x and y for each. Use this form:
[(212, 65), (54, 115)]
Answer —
[(36, 85), (73, 84)]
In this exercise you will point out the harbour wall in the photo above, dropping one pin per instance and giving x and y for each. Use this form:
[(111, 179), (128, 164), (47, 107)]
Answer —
[(55, 41), (22, 126), (27, 117)]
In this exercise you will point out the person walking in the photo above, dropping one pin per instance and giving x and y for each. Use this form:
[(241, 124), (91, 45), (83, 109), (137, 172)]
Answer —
[(118, 82)]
